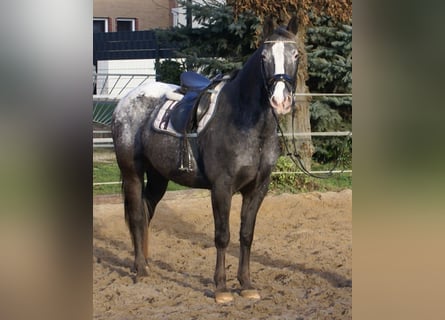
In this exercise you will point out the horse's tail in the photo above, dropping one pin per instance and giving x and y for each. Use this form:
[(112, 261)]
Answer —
[(145, 209), (122, 183), (127, 217)]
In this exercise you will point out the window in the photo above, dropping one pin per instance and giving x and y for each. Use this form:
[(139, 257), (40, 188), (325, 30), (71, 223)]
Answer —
[(100, 25), (125, 24)]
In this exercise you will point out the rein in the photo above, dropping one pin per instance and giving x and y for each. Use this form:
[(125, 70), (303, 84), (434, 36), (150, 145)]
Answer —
[(295, 156)]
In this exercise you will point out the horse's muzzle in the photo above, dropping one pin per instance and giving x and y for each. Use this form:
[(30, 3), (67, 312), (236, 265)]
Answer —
[(281, 99), (281, 105), (282, 108)]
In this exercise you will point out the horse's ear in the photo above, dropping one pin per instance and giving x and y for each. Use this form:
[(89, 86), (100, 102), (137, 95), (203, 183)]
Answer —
[(293, 25), (268, 27)]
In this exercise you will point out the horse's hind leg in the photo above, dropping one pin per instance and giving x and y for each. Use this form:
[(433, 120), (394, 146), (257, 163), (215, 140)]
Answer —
[(136, 217), (153, 193)]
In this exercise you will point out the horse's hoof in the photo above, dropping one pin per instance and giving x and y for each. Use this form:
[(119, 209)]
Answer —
[(250, 294), (142, 272), (223, 297)]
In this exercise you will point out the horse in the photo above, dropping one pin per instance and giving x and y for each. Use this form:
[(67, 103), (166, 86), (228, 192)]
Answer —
[(236, 151)]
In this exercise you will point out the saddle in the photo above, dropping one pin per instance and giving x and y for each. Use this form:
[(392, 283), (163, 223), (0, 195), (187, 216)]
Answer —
[(184, 113), (187, 113)]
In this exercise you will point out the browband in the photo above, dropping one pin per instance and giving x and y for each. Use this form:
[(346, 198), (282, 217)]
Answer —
[(275, 41)]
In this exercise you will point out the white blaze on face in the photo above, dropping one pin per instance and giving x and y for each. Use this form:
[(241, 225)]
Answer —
[(279, 100), (278, 57)]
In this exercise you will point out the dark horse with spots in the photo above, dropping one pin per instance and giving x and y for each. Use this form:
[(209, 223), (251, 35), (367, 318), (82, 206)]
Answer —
[(235, 152)]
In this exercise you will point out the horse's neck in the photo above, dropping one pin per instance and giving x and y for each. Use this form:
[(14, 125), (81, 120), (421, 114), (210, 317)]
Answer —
[(251, 83), (250, 103)]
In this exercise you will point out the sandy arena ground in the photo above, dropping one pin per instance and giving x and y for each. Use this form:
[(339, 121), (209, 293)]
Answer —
[(301, 259)]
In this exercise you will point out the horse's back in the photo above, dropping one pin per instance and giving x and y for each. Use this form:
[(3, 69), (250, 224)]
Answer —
[(131, 113)]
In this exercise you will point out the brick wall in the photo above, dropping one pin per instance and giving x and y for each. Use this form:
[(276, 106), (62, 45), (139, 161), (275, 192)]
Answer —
[(148, 14)]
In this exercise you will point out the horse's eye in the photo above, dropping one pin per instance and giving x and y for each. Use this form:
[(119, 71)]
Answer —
[(263, 55), (296, 55)]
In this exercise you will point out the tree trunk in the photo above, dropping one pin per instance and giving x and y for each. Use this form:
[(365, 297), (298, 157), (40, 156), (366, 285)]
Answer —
[(302, 123), (188, 15)]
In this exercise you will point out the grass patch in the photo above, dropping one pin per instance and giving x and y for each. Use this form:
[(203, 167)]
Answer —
[(106, 172), (297, 182), (109, 172), (172, 186)]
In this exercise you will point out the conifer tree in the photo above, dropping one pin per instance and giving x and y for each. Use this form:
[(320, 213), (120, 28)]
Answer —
[(329, 49)]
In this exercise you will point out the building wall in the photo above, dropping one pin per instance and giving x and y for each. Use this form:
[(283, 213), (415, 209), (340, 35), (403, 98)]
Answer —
[(149, 14)]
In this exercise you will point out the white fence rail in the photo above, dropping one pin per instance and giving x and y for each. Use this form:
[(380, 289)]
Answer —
[(116, 85), (273, 173), (108, 142)]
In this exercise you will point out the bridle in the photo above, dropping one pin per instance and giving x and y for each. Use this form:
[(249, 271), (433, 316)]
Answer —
[(288, 80)]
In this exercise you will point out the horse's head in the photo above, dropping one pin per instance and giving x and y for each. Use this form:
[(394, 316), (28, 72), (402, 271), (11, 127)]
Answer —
[(279, 66)]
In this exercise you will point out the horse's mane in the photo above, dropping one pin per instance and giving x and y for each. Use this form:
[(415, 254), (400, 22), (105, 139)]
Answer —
[(234, 73)]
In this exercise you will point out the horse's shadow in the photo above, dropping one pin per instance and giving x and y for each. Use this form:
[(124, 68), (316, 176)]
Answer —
[(106, 257), (205, 240), (124, 265)]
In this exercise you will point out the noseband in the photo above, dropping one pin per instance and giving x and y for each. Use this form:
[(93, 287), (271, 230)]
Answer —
[(289, 81)]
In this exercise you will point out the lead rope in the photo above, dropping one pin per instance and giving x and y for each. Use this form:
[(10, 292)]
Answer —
[(296, 158)]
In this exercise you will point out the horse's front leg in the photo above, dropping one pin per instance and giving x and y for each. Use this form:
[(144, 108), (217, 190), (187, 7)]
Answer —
[(221, 201), (252, 200)]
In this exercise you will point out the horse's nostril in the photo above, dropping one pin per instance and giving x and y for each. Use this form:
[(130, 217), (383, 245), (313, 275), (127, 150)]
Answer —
[(274, 100)]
